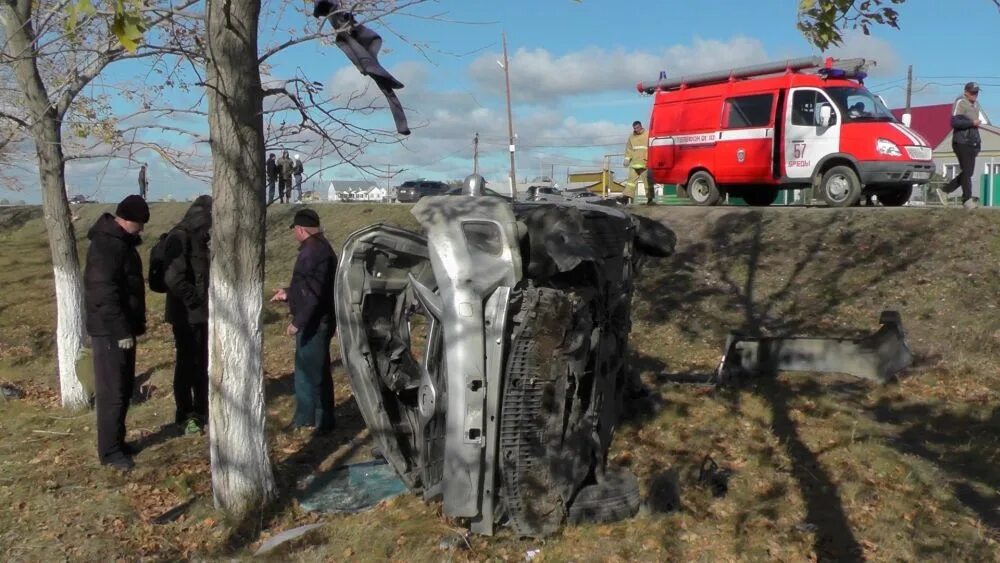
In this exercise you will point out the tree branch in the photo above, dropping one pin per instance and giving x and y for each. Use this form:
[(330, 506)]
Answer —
[(20, 122)]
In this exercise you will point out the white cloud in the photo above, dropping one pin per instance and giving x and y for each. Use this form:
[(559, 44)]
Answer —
[(858, 45), (538, 75)]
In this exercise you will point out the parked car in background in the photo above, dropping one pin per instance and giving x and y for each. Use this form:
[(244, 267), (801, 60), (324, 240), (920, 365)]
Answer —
[(78, 199), (486, 191), (411, 191), (545, 193)]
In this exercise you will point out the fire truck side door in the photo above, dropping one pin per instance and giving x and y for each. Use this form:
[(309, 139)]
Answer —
[(743, 153), (806, 140)]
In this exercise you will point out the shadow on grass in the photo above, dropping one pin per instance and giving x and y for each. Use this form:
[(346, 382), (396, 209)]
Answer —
[(345, 440), (964, 446), (735, 281)]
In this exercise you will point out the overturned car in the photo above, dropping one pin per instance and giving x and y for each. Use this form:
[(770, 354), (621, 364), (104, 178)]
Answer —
[(488, 355)]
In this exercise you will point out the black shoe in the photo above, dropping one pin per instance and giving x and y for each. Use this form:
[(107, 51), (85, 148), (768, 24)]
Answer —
[(121, 463), (130, 449)]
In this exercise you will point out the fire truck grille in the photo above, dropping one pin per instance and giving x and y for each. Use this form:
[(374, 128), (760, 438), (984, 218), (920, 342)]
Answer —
[(918, 153)]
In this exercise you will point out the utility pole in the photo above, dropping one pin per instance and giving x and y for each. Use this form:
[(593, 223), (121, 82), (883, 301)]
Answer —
[(552, 175), (909, 86), (475, 154), (907, 118), (510, 121)]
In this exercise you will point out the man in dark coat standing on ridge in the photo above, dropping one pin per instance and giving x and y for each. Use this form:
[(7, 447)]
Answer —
[(272, 177), (187, 262), (310, 299), (115, 303), (143, 182)]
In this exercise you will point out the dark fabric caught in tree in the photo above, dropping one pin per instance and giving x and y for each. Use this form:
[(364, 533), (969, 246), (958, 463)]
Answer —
[(361, 45)]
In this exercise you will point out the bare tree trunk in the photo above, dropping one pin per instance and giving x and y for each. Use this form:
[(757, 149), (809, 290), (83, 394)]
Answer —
[(242, 479), (46, 129)]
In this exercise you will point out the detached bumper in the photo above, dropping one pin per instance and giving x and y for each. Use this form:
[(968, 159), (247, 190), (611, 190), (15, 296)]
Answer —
[(880, 172)]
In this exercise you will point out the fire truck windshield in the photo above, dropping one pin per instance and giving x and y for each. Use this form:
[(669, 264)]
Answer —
[(858, 104)]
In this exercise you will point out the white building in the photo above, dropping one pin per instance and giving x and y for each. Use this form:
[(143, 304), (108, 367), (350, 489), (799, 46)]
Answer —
[(346, 190)]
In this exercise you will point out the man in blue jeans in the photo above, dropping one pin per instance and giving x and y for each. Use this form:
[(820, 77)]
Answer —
[(310, 300)]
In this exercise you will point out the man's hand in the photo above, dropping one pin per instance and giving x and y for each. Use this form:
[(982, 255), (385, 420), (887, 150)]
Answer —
[(279, 296), (126, 343), (292, 330), (976, 123), (626, 162)]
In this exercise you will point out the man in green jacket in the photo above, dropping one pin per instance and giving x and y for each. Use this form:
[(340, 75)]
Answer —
[(285, 169)]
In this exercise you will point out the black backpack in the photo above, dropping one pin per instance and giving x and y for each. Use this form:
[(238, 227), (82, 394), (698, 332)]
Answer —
[(158, 265)]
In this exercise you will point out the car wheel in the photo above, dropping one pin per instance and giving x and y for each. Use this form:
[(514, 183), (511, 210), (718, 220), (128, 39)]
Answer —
[(841, 186), (702, 189), (616, 498)]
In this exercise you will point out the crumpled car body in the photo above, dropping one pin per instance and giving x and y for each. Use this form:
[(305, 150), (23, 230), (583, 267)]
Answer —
[(487, 354)]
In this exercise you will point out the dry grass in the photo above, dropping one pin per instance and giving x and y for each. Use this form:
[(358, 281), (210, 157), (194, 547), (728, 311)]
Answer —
[(822, 467)]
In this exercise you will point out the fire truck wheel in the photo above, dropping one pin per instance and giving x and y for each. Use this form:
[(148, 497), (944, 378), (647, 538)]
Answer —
[(702, 189), (841, 186), (895, 198), (760, 196)]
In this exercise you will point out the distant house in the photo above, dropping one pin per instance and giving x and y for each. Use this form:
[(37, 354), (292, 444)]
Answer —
[(373, 193), (933, 123), (345, 190), (596, 182)]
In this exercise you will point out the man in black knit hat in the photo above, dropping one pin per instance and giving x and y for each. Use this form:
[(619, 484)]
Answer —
[(115, 300)]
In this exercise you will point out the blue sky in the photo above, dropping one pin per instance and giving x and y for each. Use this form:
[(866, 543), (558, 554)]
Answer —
[(574, 66)]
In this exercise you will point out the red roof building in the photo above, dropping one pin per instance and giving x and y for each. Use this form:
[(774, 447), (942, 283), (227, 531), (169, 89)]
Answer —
[(932, 122)]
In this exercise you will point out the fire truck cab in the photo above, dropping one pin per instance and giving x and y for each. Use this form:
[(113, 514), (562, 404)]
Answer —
[(752, 131)]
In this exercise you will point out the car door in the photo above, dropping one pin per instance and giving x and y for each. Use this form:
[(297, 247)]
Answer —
[(807, 141), (746, 140)]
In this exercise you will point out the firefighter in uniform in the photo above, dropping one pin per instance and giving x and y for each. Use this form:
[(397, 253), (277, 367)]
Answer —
[(635, 161)]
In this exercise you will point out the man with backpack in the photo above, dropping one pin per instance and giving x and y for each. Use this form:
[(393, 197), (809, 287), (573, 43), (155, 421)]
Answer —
[(181, 259), (310, 300), (114, 297)]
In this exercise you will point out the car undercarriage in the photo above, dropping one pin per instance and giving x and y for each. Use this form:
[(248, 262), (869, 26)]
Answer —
[(488, 354)]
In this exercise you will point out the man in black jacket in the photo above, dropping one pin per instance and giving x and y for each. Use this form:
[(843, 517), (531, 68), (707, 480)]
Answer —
[(310, 299), (966, 117), (272, 176), (186, 277), (115, 301)]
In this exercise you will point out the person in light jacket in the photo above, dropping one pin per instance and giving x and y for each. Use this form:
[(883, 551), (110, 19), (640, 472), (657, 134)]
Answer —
[(966, 117)]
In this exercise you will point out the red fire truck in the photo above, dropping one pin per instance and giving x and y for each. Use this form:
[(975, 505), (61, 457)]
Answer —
[(749, 132)]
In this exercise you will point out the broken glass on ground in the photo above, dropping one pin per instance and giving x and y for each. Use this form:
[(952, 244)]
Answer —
[(351, 488)]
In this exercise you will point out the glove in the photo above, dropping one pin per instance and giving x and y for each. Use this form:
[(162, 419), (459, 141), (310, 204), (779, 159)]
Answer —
[(126, 343)]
